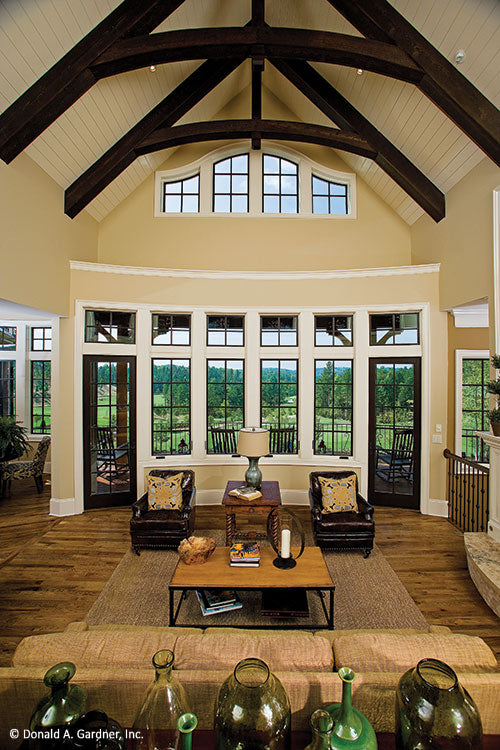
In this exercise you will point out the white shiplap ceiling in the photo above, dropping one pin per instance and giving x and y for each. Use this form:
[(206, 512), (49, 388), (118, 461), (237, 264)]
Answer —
[(34, 34)]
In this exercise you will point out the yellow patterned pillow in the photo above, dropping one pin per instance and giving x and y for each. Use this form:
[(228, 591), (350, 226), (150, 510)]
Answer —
[(338, 495), (165, 493)]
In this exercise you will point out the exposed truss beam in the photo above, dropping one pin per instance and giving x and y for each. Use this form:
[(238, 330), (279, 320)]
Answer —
[(216, 130), (341, 112), (459, 99), (70, 77), (258, 12), (124, 152), (195, 44)]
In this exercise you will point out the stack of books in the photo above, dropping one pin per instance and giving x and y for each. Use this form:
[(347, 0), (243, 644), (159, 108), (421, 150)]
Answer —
[(215, 601), (246, 493), (244, 555)]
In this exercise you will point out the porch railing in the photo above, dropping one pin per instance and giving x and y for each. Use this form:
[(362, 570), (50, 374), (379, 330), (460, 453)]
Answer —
[(467, 492)]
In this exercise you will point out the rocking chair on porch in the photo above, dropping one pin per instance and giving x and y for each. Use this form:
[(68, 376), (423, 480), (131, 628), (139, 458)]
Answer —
[(396, 462)]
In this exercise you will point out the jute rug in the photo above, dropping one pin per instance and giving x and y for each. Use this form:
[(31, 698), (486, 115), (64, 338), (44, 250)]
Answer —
[(368, 594)]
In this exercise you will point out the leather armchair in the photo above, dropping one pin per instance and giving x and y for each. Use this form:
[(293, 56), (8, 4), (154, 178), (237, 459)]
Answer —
[(163, 529), (346, 530)]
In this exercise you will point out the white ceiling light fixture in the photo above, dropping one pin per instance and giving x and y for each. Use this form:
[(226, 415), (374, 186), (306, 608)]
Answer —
[(152, 68), (460, 56), (359, 71)]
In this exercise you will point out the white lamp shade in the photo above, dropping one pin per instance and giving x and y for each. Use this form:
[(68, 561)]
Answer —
[(253, 441)]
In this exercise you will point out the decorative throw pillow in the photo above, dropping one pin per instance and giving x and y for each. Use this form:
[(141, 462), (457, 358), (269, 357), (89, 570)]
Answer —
[(165, 493), (338, 495)]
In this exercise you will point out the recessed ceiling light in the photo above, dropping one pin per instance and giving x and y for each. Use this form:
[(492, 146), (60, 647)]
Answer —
[(459, 56), (359, 71), (152, 68)]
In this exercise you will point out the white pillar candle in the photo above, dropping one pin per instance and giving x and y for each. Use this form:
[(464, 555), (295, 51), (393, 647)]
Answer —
[(285, 543)]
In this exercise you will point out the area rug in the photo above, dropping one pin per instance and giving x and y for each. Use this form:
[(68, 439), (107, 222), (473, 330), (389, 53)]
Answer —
[(368, 594)]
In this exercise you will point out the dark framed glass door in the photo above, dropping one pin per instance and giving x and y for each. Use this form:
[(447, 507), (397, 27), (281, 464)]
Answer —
[(109, 431), (394, 432)]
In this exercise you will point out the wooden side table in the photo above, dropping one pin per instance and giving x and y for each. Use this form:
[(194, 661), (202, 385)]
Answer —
[(235, 506)]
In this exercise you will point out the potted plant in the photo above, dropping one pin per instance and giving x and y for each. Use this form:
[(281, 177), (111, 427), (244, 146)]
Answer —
[(13, 439), (494, 388)]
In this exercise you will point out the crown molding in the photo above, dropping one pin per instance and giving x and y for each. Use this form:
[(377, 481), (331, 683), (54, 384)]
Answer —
[(76, 265)]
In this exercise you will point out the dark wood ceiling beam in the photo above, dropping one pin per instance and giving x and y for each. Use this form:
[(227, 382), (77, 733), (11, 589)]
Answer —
[(257, 70), (341, 112), (283, 130), (442, 83), (258, 12), (319, 46), (69, 78), (123, 153)]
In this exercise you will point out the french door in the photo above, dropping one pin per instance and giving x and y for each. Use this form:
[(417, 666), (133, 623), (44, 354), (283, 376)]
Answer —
[(394, 432), (109, 431)]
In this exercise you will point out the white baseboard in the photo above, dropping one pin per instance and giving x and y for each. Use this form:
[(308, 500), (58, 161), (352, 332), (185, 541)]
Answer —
[(63, 506), (288, 497), (437, 508)]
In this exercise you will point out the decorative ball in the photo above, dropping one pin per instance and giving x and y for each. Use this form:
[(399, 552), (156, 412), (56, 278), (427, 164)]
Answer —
[(196, 549)]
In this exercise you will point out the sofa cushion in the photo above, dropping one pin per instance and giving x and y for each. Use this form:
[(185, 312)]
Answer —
[(165, 493), (348, 522), (97, 648), (391, 653), (281, 651), (338, 495)]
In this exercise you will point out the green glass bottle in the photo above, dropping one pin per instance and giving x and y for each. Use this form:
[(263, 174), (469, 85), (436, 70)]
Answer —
[(186, 724), (64, 705), (321, 726), (252, 711), (352, 729), (164, 702), (434, 711)]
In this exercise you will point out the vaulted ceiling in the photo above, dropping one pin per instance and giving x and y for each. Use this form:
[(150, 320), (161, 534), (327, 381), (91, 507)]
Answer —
[(396, 137)]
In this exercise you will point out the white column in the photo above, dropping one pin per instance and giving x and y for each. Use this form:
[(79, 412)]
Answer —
[(494, 499)]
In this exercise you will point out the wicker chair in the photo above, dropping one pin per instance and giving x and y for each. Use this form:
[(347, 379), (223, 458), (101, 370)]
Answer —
[(26, 469)]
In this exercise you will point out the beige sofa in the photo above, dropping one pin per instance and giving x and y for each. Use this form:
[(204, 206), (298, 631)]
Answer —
[(114, 665)]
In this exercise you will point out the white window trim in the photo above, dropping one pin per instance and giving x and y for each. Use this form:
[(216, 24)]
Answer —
[(306, 168), (23, 356), (252, 353), (460, 355)]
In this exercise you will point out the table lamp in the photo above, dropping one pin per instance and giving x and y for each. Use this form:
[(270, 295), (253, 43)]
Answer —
[(253, 442)]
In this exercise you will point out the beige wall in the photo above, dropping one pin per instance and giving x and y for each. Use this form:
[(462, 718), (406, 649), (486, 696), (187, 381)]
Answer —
[(460, 338), (37, 239), (463, 241), (130, 235), (405, 289)]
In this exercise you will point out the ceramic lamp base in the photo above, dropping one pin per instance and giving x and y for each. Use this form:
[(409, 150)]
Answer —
[(285, 563), (253, 475)]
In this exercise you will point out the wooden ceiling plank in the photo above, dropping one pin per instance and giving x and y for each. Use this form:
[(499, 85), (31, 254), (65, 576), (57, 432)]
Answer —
[(188, 93), (442, 83), (388, 157), (320, 46), (69, 78), (215, 130)]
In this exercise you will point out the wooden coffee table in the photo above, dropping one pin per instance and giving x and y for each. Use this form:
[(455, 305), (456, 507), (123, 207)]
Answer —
[(310, 574), (235, 506)]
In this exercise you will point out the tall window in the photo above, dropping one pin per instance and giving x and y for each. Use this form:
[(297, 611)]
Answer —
[(329, 197), (7, 388), (8, 338), (279, 403), (225, 330), (231, 185), (394, 329), (171, 389), (333, 407), (225, 403), (182, 196), (333, 330), (171, 329), (278, 330), (475, 406), (280, 191), (109, 327), (41, 339), (40, 397)]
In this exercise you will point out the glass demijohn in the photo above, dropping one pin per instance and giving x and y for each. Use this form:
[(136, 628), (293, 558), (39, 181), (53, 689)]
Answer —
[(252, 710), (65, 704)]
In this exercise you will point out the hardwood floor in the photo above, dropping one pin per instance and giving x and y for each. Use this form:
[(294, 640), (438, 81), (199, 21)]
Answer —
[(53, 569)]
